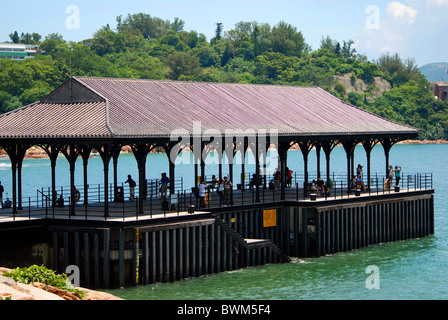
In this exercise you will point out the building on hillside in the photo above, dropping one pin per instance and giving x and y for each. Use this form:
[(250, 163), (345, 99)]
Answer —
[(18, 51), (440, 89)]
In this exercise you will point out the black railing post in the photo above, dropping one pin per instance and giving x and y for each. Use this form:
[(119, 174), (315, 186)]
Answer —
[(252, 189), (123, 207), (150, 200), (431, 180), (264, 188), (178, 202), (69, 208), (297, 191)]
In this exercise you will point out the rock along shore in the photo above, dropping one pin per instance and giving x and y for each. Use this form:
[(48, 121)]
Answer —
[(11, 290)]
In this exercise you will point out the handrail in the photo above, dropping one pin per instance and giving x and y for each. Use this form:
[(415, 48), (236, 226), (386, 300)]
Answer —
[(46, 203)]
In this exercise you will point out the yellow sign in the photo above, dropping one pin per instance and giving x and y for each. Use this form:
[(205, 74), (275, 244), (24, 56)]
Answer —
[(269, 218)]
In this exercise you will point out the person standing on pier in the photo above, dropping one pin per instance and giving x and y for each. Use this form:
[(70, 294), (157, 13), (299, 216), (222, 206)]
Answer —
[(164, 181), (132, 186), (288, 177), (277, 178), (202, 188), (228, 191), (359, 170), (397, 175), (220, 191)]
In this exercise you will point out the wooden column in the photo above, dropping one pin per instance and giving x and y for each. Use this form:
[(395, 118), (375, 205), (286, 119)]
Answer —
[(196, 159), (141, 151), (71, 153), (305, 147), (85, 154), (368, 146), (16, 153), (115, 169), (256, 149), (172, 150), (107, 152), (349, 146), (318, 147), (328, 147), (257, 169), (387, 145), (202, 160), (283, 148), (230, 150), (53, 153), (243, 162)]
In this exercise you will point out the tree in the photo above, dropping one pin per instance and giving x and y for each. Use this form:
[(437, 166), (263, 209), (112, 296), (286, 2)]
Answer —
[(218, 31), (193, 39), (287, 40), (178, 25), (390, 63), (182, 64), (207, 56), (240, 33), (260, 38), (329, 44), (14, 37), (51, 42), (149, 27), (276, 66), (347, 51), (106, 41), (399, 71)]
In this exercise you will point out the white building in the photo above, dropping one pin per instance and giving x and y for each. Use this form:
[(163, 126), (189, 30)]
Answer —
[(17, 51)]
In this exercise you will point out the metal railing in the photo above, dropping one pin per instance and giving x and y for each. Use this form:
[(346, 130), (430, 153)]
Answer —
[(43, 206)]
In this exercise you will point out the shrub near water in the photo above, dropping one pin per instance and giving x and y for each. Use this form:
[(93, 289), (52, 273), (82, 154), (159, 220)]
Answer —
[(41, 275)]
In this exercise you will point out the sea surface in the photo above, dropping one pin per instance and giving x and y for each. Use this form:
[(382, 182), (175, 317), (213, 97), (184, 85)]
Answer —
[(405, 270)]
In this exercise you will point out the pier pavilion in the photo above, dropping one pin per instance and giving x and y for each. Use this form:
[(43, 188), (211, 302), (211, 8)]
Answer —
[(104, 115)]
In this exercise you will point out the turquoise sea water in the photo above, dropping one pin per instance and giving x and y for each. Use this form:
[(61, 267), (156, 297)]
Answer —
[(412, 269)]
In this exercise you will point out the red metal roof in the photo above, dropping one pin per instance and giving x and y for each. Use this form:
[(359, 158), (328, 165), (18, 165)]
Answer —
[(55, 121), (149, 108), (146, 107)]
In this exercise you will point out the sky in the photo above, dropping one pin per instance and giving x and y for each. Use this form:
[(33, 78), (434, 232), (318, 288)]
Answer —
[(413, 29)]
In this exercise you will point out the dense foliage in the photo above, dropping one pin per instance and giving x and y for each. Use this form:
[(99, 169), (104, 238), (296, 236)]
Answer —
[(42, 275), (147, 47)]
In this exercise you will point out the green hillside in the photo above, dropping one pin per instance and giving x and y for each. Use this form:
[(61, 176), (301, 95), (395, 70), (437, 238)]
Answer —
[(148, 47), (437, 71)]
